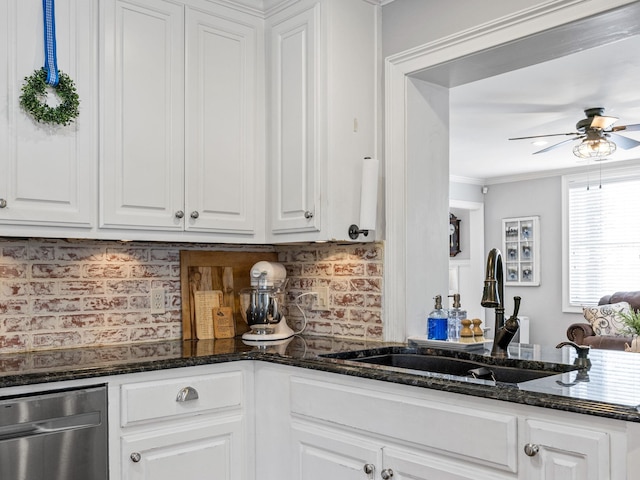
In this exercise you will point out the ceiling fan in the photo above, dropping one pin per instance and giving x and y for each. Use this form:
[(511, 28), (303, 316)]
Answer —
[(597, 134)]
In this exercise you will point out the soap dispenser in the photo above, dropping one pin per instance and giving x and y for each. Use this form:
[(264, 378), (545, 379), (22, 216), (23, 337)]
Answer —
[(437, 322), (456, 315)]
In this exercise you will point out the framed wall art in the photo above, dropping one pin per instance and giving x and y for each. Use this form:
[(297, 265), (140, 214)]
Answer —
[(521, 251)]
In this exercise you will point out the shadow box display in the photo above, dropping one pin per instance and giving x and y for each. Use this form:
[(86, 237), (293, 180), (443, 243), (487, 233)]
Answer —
[(521, 251)]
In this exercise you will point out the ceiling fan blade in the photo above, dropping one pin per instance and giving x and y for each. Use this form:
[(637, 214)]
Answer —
[(542, 136), (556, 145), (624, 142), (630, 128), (603, 122)]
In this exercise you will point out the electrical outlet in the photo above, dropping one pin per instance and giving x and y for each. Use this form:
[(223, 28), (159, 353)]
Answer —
[(322, 298), (157, 300)]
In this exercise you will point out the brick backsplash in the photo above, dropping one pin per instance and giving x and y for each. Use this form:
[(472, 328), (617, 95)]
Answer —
[(67, 293), (353, 274)]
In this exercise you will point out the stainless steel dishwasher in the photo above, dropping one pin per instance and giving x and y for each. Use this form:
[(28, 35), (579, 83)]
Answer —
[(56, 435)]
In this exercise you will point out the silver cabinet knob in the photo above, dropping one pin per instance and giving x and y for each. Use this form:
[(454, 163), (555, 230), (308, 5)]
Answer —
[(531, 449), (179, 214), (386, 473), (3, 203), (135, 457), (194, 215), (187, 394), (368, 468), (308, 215)]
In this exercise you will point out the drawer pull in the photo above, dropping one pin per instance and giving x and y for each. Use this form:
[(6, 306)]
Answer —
[(187, 394), (386, 474), (3, 203), (135, 457), (531, 449), (368, 468)]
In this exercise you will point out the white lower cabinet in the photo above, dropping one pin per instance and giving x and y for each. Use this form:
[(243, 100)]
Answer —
[(322, 453), (183, 423), (200, 450), (558, 451), (345, 428)]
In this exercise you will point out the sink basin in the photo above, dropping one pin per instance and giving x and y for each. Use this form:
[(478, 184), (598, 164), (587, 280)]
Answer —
[(409, 359), (457, 367)]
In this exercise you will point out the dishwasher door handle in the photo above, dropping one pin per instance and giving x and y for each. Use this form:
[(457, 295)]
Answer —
[(50, 426)]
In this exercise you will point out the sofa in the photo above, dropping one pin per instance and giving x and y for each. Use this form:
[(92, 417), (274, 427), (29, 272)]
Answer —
[(583, 333)]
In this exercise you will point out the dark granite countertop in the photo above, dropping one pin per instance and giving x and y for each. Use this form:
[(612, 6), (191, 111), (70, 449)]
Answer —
[(610, 388)]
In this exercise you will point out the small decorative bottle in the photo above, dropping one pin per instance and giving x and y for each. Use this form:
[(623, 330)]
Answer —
[(437, 321)]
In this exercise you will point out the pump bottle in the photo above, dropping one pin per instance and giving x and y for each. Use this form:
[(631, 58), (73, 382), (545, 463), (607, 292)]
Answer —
[(456, 315), (437, 322)]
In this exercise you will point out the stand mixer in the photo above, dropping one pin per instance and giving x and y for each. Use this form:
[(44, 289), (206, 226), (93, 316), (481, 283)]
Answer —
[(261, 304)]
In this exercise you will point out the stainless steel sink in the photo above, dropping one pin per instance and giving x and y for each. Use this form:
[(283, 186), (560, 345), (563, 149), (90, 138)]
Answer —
[(483, 368)]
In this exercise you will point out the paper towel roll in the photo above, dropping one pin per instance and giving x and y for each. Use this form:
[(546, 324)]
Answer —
[(369, 194)]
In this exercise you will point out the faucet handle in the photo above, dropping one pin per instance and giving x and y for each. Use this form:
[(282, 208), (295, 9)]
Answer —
[(516, 305), (582, 350)]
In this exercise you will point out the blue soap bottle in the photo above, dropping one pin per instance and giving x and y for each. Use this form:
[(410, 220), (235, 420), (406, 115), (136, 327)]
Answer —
[(437, 322)]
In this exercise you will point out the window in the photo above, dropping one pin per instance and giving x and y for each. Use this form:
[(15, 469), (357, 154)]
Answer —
[(601, 218)]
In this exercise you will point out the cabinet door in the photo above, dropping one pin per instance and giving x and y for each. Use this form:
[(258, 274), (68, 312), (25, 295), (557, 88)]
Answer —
[(321, 453), (560, 452), (47, 172), (142, 153), (222, 120), (406, 465), (199, 451), (294, 187)]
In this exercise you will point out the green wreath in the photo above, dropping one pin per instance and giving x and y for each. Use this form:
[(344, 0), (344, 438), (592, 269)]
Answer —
[(34, 94)]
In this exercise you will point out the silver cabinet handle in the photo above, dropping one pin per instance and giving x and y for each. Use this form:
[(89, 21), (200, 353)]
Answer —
[(3, 203), (135, 457), (308, 215), (187, 394), (194, 215), (368, 468), (386, 474), (531, 449), (179, 214)]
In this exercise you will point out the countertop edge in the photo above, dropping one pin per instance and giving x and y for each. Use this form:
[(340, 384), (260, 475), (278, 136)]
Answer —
[(506, 393)]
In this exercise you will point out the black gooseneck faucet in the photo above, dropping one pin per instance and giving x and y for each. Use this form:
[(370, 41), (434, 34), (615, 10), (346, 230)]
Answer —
[(493, 297)]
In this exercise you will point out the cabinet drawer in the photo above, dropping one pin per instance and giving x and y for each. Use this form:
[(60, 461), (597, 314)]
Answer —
[(167, 398), (476, 435)]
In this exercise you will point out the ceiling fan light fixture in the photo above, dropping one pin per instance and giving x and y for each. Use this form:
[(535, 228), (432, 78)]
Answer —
[(594, 148)]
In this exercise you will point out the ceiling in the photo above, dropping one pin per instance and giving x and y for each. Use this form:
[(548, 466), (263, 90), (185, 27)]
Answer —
[(547, 97)]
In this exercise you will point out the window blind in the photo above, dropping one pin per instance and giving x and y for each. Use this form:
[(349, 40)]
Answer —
[(604, 236)]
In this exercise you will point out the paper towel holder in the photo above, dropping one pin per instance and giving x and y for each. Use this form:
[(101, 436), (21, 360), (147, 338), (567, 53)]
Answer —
[(354, 232), (368, 199)]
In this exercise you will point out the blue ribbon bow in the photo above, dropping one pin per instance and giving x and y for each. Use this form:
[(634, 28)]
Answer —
[(50, 56)]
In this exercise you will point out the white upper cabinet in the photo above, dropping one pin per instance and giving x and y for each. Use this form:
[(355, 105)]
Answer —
[(47, 172), (322, 99), (182, 134), (181, 117)]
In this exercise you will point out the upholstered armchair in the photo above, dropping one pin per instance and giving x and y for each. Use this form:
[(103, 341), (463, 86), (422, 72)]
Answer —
[(584, 334)]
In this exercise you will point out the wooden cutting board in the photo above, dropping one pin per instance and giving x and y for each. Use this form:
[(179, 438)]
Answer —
[(203, 275)]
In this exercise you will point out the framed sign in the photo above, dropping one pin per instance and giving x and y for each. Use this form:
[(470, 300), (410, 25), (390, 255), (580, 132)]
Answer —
[(521, 251)]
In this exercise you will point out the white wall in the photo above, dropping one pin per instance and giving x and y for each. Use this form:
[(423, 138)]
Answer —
[(409, 23), (468, 26), (427, 219), (543, 304)]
